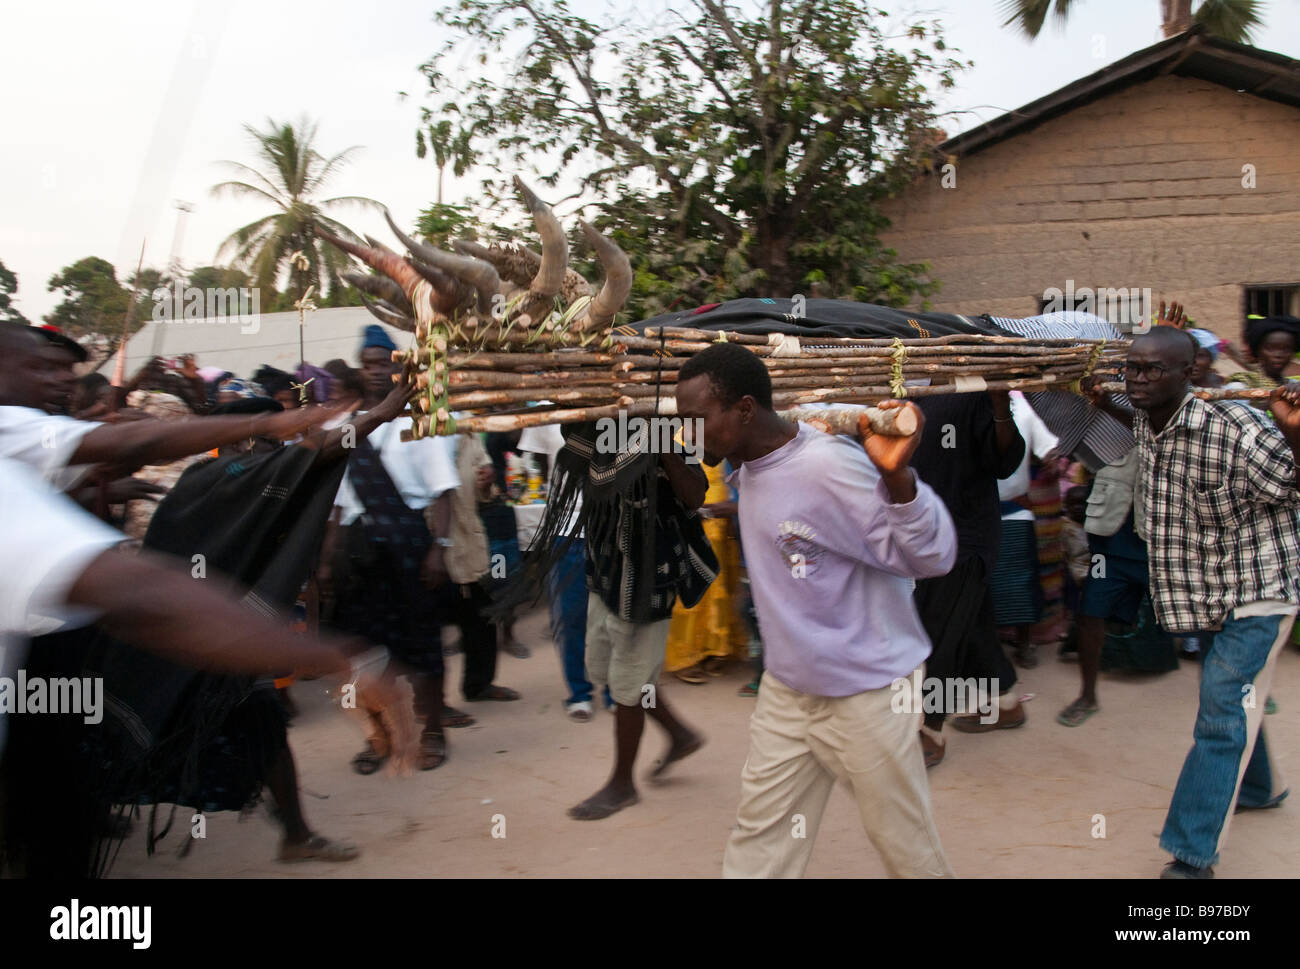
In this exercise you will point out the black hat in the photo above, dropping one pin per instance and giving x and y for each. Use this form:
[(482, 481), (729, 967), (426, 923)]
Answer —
[(61, 339)]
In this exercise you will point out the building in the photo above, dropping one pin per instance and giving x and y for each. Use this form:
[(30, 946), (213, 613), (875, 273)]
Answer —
[(1175, 170), (242, 344)]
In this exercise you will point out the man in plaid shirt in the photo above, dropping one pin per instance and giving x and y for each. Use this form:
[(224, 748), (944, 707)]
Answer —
[(1224, 543)]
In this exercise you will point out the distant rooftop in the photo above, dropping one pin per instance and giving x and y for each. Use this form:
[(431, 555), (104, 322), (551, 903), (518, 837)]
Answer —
[(1195, 54)]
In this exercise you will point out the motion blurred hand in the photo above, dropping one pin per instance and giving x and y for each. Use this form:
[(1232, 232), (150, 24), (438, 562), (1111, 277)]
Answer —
[(383, 698), (132, 489), (297, 421)]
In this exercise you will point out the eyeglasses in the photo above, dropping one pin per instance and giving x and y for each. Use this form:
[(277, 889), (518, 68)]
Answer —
[(1150, 371)]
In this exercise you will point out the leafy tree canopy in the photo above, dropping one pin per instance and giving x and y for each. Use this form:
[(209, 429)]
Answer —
[(731, 151)]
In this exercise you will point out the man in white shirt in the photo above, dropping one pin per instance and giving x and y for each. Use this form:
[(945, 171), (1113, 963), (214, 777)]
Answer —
[(382, 564), (61, 570)]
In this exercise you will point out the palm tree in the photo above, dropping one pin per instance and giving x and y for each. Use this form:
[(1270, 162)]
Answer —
[(297, 173), (1233, 20)]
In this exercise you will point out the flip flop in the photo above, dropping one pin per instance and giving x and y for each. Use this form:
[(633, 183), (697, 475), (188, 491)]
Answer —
[(1074, 715), (495, 693), (690, 675)]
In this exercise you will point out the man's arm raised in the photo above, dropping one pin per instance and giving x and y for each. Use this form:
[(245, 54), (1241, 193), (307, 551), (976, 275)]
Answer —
[(158, 442)]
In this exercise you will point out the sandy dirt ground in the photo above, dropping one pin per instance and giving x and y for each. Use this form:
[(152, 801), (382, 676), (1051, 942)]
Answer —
[(1010, 803)]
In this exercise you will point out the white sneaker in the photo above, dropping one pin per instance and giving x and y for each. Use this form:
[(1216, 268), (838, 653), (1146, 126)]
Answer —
[(580, 711)]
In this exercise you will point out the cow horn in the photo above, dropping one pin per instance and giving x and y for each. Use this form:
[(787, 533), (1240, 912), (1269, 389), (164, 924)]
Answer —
[(618, 281), (555, 248)]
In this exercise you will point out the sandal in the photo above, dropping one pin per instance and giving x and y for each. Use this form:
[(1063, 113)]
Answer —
[(749, 689), (433, 751), (451, 717), (369, 761), (690, 675), (317, 848), (1075, 714), (495, 693)]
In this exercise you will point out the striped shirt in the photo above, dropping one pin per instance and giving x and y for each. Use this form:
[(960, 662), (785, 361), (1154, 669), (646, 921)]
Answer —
[(1095, 437), (1223, 526)]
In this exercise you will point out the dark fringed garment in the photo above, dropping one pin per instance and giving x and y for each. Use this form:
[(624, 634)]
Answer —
[(171, 734), (645, 549)]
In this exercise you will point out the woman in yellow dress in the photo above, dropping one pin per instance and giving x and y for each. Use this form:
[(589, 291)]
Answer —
[(701, 637)]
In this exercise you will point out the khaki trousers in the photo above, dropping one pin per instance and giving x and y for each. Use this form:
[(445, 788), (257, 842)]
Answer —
[(799, 745)]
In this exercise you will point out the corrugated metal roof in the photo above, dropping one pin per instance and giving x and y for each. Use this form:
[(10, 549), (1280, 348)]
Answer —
[(1262, 73)]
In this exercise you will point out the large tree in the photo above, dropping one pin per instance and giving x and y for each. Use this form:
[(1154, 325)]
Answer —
[(730, 152), (8, 287), (295, 174), (1233, 20), (94, 302)]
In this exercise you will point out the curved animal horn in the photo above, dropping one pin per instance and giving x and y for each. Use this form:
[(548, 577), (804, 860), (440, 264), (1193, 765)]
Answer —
[(386, 314), (555, 248), (384, 288), (388, 263), (479, 273), (618, 281), (378, 245), (450, 292)]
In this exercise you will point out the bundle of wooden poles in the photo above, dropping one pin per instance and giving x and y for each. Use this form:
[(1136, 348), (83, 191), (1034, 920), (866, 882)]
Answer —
[(511, 338), (508, 388)]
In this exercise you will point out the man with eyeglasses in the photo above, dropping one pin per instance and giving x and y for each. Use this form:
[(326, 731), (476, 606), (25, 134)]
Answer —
[(1223, 536)]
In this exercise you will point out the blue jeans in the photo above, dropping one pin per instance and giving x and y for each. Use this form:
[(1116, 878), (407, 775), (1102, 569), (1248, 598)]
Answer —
[(568, 591), (1235, 676)]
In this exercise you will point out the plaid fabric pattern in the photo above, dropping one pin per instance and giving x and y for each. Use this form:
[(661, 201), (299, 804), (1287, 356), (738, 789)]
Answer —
[(1222, 525)]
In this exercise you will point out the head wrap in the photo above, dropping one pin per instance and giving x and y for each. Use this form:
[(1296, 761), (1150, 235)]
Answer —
[(244, 388), (376, 336), (1207, 341), (1258, 329)]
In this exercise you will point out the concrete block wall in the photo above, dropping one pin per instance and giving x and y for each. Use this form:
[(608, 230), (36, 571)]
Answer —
[(1142, 188)]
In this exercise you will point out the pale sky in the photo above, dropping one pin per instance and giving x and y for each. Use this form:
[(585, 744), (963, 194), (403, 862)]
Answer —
[(114, 111)]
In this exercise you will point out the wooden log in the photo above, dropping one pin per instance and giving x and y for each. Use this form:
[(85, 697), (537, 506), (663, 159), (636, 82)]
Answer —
[(895, 422), (752, 339), (568, 395), (1203, 393)]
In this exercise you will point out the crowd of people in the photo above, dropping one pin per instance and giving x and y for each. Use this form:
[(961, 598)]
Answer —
[(198, 540)]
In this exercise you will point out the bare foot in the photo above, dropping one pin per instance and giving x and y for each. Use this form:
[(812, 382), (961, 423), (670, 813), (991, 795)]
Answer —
[(608, 800), (683, 746)]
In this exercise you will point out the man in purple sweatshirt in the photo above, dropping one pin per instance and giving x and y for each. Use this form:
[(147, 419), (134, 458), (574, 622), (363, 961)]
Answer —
[(834, 538)]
